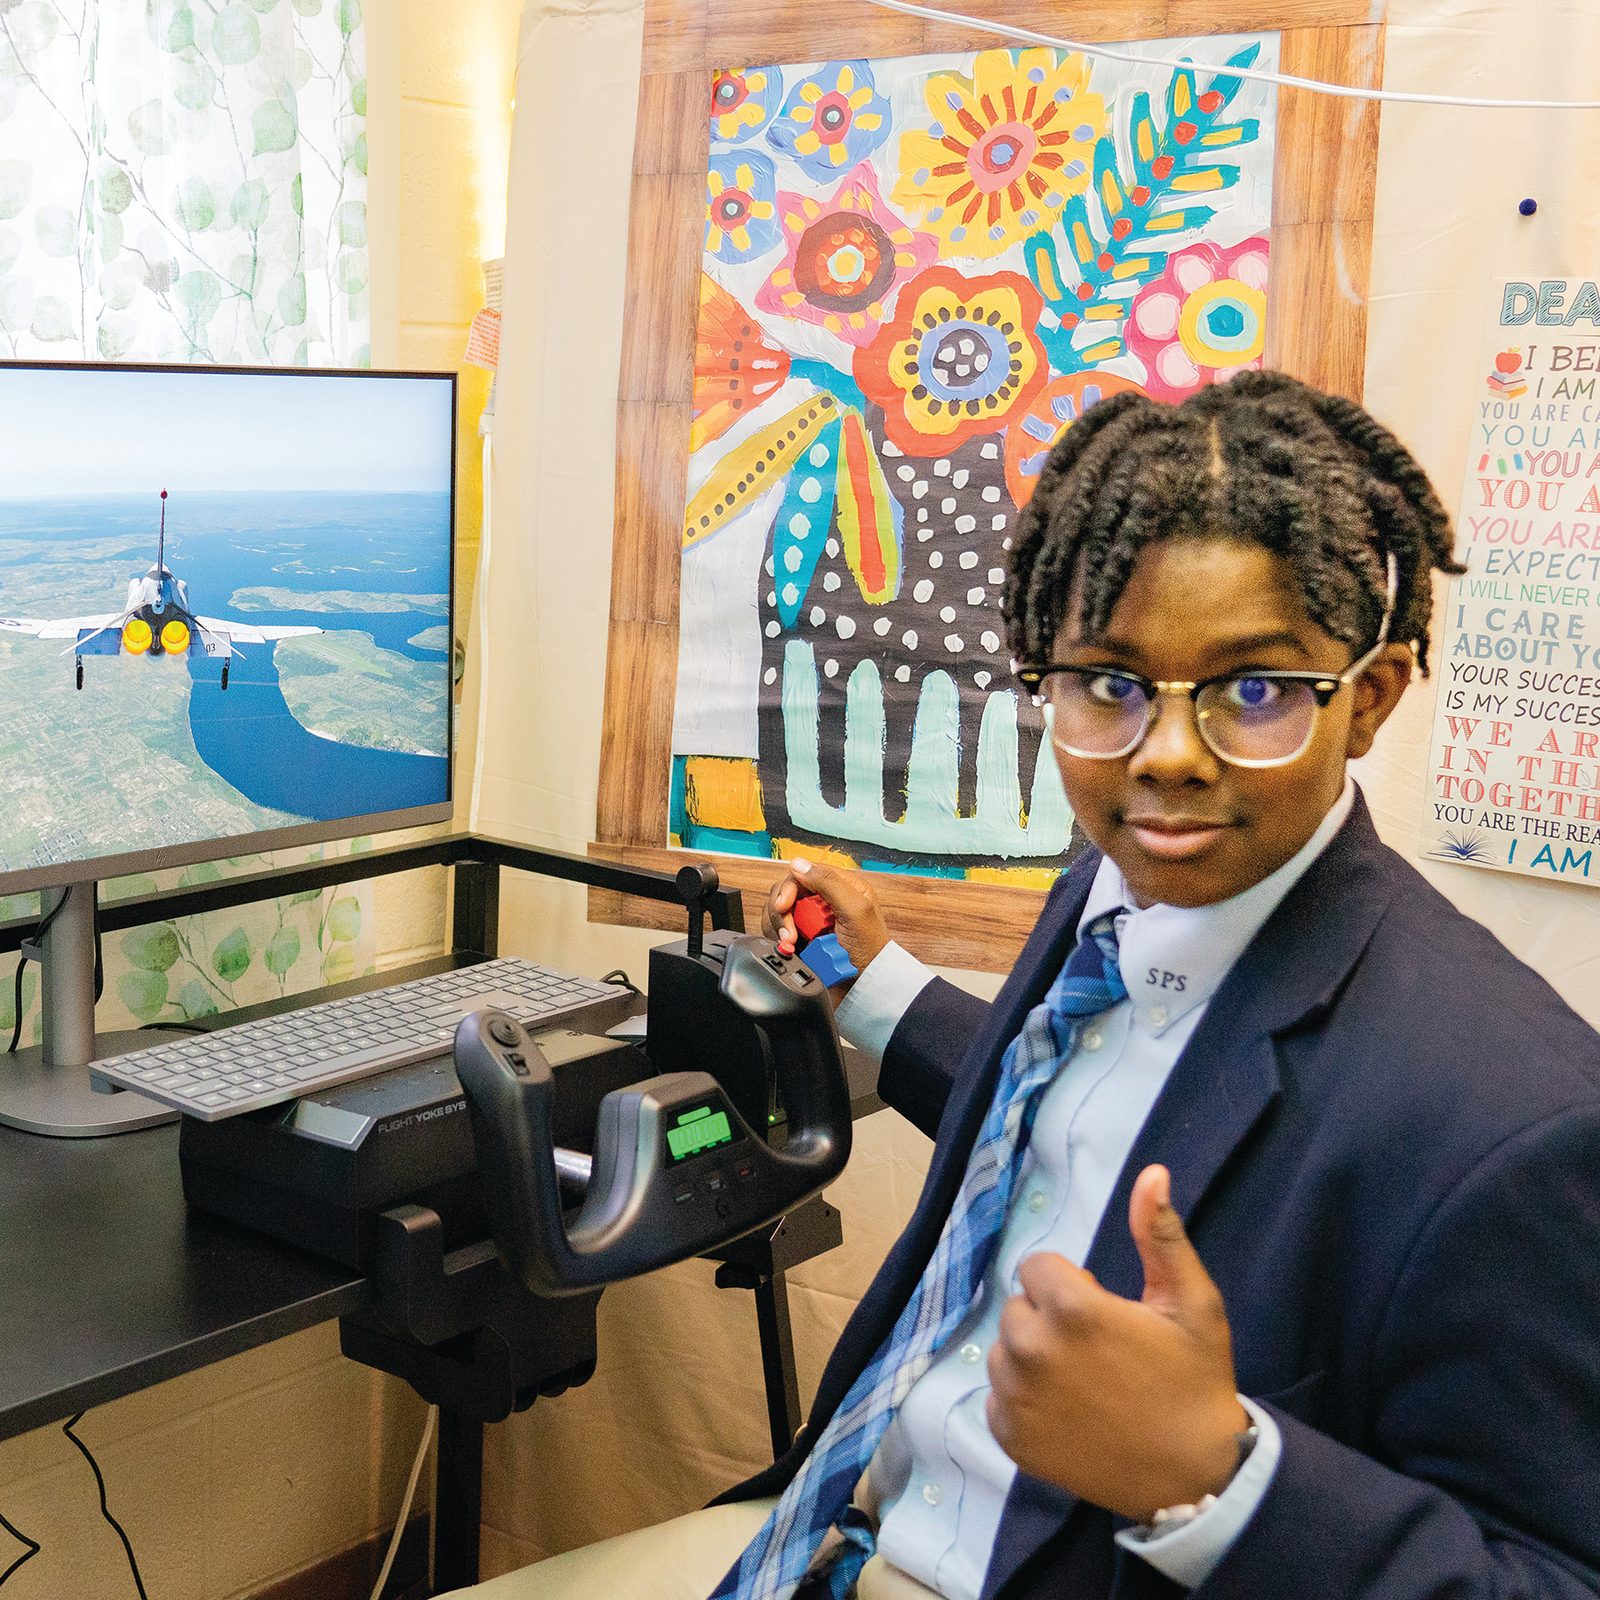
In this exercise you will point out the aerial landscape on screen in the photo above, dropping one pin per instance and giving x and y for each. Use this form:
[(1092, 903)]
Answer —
[(224, 605)]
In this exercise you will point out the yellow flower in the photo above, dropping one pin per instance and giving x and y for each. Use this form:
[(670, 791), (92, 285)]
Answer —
[(1007, 149)]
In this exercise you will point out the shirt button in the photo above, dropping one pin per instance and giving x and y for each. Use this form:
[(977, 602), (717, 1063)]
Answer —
[(1158, 1016), (1093, 1039), (971, 1353), (932, 1493), (1038, 1200)]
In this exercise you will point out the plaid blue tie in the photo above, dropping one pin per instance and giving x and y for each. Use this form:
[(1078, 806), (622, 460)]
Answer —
[(781, 1554)]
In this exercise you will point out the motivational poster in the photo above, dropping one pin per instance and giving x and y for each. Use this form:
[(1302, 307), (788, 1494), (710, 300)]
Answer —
[(1514, 770)]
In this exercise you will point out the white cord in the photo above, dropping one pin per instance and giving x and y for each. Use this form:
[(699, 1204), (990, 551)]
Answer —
[(405, 1504), (1349, 91)]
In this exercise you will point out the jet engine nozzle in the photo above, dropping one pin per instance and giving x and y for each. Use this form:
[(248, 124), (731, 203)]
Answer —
[(136, 636)]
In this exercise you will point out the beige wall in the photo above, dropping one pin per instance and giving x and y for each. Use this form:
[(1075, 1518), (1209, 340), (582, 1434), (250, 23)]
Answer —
[(251, 1469)]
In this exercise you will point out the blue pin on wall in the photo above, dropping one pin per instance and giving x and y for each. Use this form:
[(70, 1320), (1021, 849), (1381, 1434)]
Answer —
[(1528, 207)]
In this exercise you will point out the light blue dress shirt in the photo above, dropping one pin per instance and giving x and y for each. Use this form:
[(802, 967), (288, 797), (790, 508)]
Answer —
[(938, 1478)]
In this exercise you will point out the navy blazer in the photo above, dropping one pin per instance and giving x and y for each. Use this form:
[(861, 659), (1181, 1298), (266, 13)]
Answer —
[(1384, 1137)]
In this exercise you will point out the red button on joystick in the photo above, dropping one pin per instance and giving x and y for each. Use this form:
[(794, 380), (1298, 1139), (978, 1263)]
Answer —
[(812, 915)]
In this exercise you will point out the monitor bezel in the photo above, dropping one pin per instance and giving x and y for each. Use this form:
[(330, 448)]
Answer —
[(26, 880)]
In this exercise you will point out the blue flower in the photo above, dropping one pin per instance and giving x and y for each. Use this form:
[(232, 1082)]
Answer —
[(741, 205), (743, 100), (831, 120)]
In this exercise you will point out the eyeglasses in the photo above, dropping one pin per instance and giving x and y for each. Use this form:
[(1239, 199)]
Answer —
[(1249, 719)]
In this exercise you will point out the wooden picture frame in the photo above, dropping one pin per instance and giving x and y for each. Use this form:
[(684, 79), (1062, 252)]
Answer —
[(1324, 181)]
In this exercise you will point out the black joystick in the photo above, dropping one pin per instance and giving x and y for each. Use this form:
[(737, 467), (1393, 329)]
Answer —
[(676, 1170)]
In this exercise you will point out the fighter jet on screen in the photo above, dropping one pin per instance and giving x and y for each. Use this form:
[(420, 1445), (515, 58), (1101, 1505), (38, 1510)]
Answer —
[(156, 620)]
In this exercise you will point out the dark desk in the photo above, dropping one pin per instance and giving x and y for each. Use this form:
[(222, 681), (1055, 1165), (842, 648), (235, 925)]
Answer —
[(111, 1284)]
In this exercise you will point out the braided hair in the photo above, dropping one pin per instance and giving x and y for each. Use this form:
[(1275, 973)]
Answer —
[(1264, 459)]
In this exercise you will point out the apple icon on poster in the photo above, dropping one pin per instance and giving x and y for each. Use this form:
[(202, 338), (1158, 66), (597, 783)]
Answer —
[(1508, 361)]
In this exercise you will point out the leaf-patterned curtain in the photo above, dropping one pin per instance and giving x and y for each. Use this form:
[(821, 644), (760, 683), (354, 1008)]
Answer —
[(183, 180)]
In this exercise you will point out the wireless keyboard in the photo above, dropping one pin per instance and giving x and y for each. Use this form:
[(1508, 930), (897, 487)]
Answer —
[(253, 1064)]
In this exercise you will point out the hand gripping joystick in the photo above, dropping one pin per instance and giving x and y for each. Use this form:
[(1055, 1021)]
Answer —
[(677, 1171)]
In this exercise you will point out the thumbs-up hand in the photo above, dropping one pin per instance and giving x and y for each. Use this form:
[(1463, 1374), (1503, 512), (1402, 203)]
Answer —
[(1131, 1405)]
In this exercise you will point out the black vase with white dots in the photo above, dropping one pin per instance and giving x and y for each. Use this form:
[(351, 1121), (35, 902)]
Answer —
[(959, 517)]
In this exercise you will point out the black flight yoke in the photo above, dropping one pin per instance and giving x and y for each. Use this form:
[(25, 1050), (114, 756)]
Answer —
[(458, 1192), (676, 1169)]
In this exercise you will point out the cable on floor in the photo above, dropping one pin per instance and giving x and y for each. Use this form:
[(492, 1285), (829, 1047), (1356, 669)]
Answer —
[(405, 1504)]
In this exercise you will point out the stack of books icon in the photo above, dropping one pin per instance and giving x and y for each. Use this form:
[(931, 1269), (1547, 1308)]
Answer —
[(1507, 379)]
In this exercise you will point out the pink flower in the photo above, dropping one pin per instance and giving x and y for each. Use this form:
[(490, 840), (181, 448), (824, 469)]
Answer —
[(1204, 318), (844, 259)]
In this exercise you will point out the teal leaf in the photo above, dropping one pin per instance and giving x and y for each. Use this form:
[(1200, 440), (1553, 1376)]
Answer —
[(109, 234), (247, 274), (349, 16), (200, 292), (152, 949), (200, 872), (196, 1000), (197, 206), (171, 25), (1227, 85), (351, 220), (264, 6), (57, 231), (52, 320), (115, 189), (800, 531), (358, 97), (194, 83), (297, 195), (143, 993), (305, 897), (359, 154), (1044, 268), (344, 918), (16, 184), (114, 335), (353, 271), (251, 202), (274, 128), (283, 950), (339, 964), (231, 958), (148, 128), (292, 301), (236, 36), (308, 8), (10, 249)]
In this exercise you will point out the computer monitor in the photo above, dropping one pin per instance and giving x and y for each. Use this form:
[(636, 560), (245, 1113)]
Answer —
[(226, 625)]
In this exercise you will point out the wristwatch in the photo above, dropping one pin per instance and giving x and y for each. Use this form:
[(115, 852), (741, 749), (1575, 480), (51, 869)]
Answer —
[(1170, 1518)]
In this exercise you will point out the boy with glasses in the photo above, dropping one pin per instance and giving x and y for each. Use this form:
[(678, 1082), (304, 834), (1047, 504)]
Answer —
[(1258, 1250)]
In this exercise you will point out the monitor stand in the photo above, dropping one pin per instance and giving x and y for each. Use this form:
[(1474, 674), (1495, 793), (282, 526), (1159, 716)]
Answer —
[(47, 1089)]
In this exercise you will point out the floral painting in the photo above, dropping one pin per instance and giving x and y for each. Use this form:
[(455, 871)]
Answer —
[(915, 274)]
